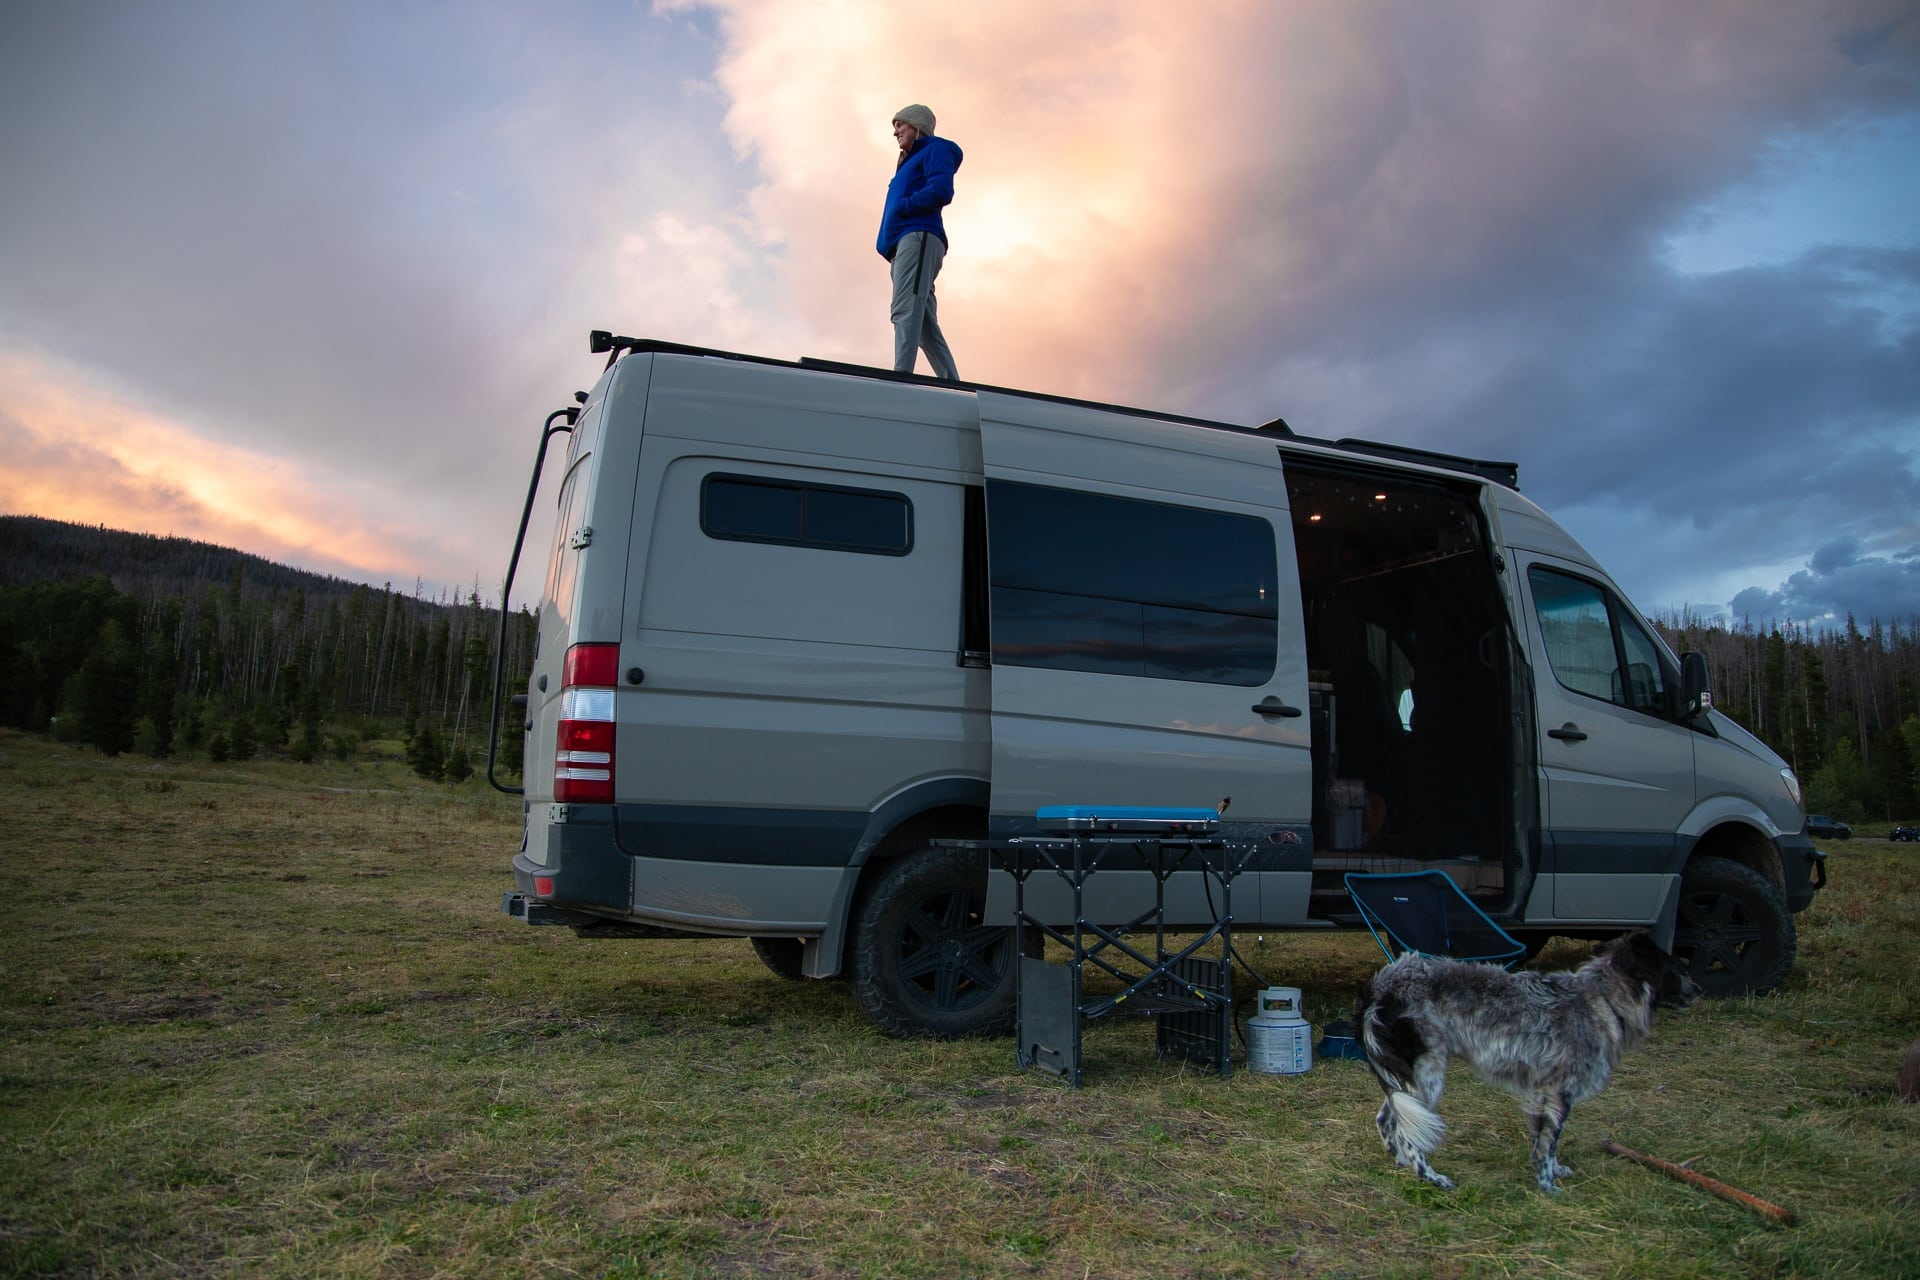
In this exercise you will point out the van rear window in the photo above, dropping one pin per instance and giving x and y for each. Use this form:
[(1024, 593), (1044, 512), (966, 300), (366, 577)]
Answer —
[(794, 514)]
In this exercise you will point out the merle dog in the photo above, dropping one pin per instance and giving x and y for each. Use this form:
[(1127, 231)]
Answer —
[(1550, 1039)]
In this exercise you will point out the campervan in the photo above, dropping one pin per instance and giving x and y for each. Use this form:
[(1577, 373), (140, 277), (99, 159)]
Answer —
[(812, 636)]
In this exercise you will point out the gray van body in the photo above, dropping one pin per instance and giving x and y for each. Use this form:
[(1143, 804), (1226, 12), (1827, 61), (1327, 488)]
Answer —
[(858, 613)]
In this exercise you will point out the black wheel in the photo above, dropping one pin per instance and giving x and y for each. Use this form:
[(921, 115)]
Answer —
[(924, 964), (1734, 936), (782, 955)]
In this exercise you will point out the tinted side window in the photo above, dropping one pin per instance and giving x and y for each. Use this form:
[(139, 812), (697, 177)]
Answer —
[(749, 509), (1594, 646), (1089, 582), (1645, 688)]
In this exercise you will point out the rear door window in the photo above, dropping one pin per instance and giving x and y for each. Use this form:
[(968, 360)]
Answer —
[(565, 561)]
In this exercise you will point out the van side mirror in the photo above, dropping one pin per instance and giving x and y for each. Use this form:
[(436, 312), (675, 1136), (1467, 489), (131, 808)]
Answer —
[(1698, 697)]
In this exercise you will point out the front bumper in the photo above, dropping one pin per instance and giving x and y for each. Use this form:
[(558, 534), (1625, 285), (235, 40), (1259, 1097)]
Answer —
[(1804, 867)]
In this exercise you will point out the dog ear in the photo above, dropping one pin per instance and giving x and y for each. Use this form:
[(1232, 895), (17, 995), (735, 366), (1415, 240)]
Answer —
[(1638, 957)]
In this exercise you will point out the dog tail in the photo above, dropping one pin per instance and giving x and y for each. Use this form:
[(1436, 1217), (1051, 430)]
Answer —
[(1420, 1124), (1393, 1044), (1390, 1040)]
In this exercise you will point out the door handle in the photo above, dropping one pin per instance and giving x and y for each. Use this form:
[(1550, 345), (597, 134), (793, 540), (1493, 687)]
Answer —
[(1275, 707), (1568, 732)]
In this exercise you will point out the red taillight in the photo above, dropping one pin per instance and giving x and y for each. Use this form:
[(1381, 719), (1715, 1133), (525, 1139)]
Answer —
[(543, 886), (596, 664), (583, 749)]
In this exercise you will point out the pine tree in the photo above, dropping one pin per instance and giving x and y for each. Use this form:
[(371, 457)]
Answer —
[(240, 737), (307, 745), (107, 691), (426, 755), (1892, 791), (192, 720), (1810, 728), (459, 766), (160, 683)]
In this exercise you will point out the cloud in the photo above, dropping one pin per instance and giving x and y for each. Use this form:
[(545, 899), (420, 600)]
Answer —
[(364, 245), (367, 242), (1842, 580), (1444, 224), (1154, 199), (98, 459)]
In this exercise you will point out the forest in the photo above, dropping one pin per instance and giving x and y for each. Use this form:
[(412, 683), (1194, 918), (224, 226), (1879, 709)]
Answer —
[(1841, 704), (159, 645)]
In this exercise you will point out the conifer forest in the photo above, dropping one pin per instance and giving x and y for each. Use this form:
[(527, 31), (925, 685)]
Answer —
[(162, 645), (157, 645)]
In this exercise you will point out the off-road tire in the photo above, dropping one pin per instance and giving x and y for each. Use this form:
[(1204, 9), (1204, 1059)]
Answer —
[(1734, 935), (923, 961), (782, 955)]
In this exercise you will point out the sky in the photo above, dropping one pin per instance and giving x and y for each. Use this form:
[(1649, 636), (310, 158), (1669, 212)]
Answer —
[(305, 278)]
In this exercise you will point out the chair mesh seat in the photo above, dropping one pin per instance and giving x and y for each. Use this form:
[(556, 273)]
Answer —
[(1426, 911)]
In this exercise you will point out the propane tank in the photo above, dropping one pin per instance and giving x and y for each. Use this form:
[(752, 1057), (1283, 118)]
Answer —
[(1279, 1039)]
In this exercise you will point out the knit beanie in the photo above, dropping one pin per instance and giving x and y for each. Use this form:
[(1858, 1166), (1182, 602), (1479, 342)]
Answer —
[(917, 116)]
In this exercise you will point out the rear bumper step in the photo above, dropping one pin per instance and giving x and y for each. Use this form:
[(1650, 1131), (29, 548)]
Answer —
[(585, 923), (533, 911)]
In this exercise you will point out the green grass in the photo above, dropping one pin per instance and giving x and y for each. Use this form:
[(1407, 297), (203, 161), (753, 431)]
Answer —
[(264, 1019)]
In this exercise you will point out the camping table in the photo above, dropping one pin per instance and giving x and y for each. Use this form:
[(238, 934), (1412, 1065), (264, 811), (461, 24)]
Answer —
[(1190, 994)]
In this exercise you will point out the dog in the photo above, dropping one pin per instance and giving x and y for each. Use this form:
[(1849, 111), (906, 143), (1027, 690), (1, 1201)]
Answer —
[(1550, 1039)]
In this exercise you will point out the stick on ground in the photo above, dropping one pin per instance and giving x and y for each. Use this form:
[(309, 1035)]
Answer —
[(1702, 1181)]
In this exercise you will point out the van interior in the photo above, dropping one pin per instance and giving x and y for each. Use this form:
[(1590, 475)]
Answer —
[(1412, 677)]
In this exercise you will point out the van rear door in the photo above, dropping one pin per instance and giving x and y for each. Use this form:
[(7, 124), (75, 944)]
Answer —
[(1145, 616)]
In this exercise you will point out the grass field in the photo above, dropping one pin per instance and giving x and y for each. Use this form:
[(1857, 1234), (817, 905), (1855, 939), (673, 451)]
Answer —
[(266, 1020)]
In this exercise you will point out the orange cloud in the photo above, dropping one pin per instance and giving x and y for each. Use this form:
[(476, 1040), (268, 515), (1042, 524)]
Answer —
[(1156, 196), (69, 451), (1116, 159)]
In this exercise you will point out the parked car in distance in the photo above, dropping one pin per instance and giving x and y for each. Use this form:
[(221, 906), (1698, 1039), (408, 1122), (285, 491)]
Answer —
[(1910, 834), (1819, 824)]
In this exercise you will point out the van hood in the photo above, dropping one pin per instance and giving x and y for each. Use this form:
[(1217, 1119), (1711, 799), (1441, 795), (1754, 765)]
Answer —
[(1731, 733)]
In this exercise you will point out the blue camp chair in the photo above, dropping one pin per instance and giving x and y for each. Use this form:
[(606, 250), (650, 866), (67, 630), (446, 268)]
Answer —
[(1425, 911)]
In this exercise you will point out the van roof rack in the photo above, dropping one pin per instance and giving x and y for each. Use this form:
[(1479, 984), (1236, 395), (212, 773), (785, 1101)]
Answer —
[(1506, 473), (600, 340), (891, 375)]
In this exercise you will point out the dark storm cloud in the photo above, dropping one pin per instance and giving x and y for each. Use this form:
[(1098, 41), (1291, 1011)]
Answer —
[(1493, 276), (1839, 582)]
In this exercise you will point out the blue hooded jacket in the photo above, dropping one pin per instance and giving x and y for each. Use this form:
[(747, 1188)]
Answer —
[(921, 187)]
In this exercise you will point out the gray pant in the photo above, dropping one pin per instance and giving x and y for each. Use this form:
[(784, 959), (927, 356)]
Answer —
[(916, 318)]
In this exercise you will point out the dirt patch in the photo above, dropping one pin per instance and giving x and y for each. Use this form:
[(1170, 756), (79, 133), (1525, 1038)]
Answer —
[(136, 1011)]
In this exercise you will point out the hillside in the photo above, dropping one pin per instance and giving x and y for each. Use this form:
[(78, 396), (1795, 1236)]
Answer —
[(121, 639), (35, 550)]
